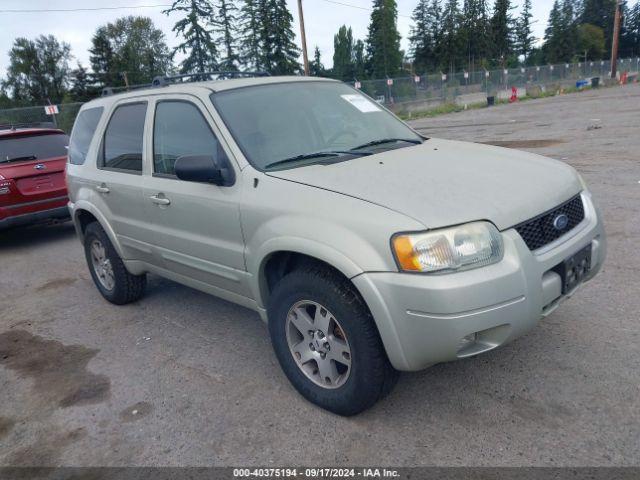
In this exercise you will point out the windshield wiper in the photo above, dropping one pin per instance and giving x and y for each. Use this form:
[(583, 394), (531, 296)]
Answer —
[(17, 159), (387, 140), (309, 156)]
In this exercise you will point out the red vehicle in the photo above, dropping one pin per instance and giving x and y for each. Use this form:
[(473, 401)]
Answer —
[(32, 183)]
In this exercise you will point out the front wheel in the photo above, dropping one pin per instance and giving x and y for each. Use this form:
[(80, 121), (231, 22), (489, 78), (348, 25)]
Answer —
[(327, 343)]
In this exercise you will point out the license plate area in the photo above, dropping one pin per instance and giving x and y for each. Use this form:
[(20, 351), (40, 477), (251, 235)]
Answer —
[(573, 270)]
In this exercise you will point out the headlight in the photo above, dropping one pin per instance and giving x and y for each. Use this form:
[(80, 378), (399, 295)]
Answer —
[(450, 249)]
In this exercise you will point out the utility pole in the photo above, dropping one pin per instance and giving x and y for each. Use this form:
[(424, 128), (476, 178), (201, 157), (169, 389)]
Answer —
[(614, 42), (304, 39)]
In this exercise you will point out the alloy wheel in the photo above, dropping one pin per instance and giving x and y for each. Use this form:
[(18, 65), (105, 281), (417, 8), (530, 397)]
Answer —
[(318, 344), (102, 265)]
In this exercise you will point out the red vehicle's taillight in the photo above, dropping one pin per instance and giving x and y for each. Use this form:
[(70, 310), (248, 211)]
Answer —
[(5, 186)]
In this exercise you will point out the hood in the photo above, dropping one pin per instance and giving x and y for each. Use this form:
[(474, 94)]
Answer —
[(442, 182)]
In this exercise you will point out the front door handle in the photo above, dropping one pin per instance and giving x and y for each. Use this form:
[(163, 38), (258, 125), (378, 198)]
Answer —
[(160, 200), (102, 188)]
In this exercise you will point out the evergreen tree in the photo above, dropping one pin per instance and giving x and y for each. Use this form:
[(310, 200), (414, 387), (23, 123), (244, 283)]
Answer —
[(80, 84), (553, 34), (524, 38), (359, 60), (600, 13), (227, 19), (502, 31), (425, 34), (475, 32), (569, 31), (102, 58), (420, 42), (280, 52), (450, 45), (561, 34), (195, 28), (316, 68), (630, 41), (251, 34), (383, 41), (343, 54)]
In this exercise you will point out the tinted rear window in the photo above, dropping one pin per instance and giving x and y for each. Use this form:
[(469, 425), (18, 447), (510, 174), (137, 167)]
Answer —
[(83, 130), (123, 138), (33, 147)]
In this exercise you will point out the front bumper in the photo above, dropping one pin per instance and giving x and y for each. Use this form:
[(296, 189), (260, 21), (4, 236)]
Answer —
[(423, 319)]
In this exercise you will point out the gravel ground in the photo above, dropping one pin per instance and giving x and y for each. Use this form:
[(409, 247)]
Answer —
[(183, 378)]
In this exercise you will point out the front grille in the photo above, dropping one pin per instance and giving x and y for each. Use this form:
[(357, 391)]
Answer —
[(539, 231)]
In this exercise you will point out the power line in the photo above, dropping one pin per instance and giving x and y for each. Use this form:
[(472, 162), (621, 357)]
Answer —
[(87, 9), (160, 5), (359, 7)]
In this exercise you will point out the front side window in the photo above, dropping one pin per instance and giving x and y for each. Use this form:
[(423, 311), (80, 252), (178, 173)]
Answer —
[(82, 133), (123, 138), (303, 122), (179, 129)]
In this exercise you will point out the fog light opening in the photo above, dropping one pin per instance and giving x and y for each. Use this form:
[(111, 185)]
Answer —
[(482, 341), (467, 341)]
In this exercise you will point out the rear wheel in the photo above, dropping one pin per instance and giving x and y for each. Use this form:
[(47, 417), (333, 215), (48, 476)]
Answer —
[(108, 271), (326, 341)]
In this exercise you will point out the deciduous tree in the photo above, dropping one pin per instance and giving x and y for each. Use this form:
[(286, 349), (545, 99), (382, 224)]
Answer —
[(38, 70), (131, 45)]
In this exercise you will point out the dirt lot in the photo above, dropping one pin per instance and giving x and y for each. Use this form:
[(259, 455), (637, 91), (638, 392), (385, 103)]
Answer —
[(182, 378)]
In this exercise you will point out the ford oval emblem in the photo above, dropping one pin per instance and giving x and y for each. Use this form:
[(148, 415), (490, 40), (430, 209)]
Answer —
[(560, 222), (40, 166)]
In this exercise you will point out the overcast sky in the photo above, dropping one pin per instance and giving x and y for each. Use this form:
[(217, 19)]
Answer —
[(322, 20)]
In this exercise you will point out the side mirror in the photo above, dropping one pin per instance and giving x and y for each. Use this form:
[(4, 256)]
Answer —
[(203, 168)]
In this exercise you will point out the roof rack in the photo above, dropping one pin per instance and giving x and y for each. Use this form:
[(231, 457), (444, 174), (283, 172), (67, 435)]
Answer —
[(106, 91), (161, 81), (202, 76)]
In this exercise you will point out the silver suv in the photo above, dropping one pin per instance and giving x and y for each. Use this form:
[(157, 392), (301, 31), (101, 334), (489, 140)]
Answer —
[(366, 247)]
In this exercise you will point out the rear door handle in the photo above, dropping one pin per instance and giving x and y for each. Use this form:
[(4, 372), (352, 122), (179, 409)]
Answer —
[(160, 200), (102, 188)]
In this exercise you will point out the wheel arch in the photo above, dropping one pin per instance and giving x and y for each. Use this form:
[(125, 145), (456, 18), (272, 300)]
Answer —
[(279, 262), (84, 214), (285, 255)]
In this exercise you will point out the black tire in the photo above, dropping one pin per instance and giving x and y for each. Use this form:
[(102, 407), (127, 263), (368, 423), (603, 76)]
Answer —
[(371, 376), (127, 288)]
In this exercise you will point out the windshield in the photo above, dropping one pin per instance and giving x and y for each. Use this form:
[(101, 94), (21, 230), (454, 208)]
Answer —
[(33, 147), (297, 120)]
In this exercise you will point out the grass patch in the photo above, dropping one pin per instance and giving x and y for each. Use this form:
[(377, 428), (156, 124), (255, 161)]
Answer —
[(451, 107), (441, 109)]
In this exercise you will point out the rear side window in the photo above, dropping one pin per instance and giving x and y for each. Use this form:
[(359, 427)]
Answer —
[(33, 147), (82, 133), (180, 129), (122, 146)]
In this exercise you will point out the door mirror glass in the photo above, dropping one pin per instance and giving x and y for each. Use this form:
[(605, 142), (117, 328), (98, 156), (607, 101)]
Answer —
[(202, 168)]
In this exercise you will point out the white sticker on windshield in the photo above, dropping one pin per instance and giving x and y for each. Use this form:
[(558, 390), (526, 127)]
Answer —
[(361, 103)]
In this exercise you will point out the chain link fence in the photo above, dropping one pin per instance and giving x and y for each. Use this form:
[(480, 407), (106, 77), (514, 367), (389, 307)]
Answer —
[(425, 90), (419, 92), (37, 115)]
